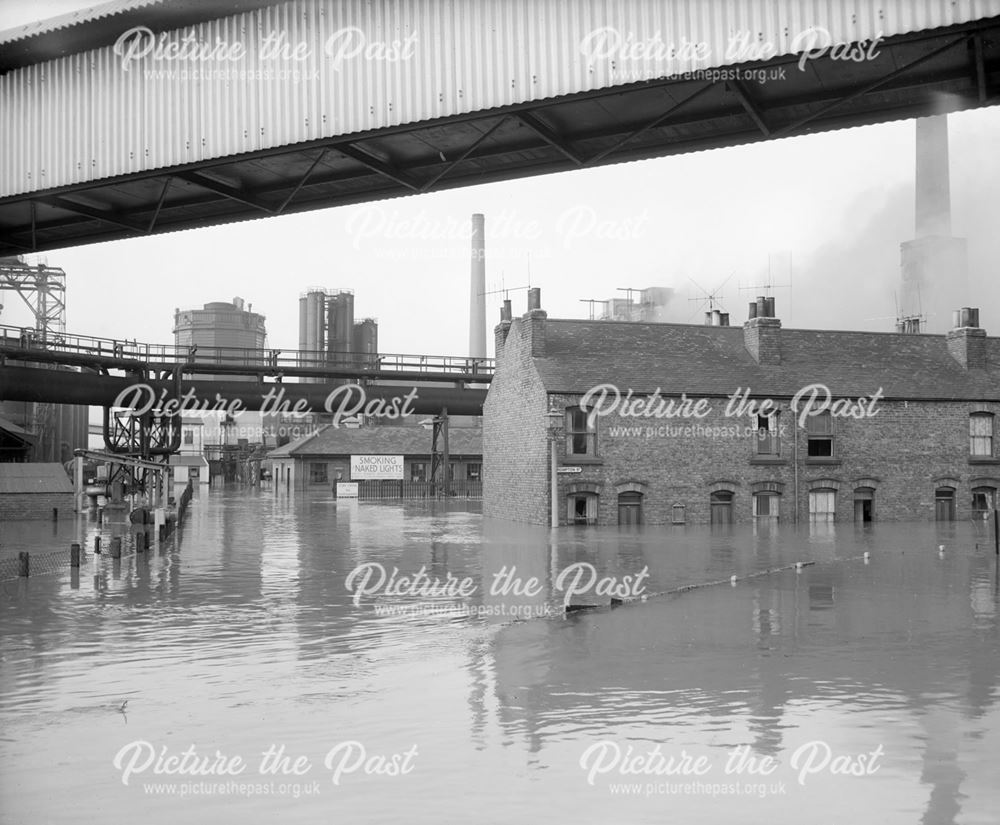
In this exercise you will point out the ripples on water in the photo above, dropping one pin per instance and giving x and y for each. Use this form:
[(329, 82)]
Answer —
[(247, 637)]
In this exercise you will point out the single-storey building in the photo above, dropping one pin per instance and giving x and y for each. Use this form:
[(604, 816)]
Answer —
[(34, 490), (665, 423), (324, 458)]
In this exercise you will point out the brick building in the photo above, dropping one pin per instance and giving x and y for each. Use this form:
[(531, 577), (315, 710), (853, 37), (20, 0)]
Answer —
[(930, 450), (323, 458), (31, 491)]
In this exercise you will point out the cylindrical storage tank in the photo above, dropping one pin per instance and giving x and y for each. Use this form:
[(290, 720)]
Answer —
[(303, 309), (340, 327), (366, 341)]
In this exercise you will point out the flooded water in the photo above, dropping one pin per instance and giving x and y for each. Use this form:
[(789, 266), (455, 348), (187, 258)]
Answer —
[(850, 690)]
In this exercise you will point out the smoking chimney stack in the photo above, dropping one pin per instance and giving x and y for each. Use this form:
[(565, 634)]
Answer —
[(477, 289), (934, 264), (933, 188)]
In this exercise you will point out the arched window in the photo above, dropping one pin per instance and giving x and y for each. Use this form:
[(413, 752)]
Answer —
[(984, 501), (822, 504), (765, 505), (581, 508), (581, 432)]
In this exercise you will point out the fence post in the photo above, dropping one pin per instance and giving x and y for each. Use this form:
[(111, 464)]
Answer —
[(116, 547), (97, 544), (74, 555), (22, 564)]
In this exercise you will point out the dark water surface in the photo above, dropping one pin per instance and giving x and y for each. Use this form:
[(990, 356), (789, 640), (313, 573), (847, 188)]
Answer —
[(246, 638)]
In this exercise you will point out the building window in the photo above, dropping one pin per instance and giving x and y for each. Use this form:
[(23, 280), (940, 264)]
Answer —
[(984, 501), (822, 504), (765, 505), (944, 504), (819, 430), (629, 509), (767, 434), (864, 505), (189, 436), (721, 507), (317, 473), (981, 435), (582, 508), (581, 432), (473, 472), (418, 471)]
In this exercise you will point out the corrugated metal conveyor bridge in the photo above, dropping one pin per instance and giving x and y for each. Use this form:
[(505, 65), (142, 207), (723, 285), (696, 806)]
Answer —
[(101, 137)]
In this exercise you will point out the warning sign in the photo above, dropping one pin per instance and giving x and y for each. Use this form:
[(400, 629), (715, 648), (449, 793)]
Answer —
[(364, 467)]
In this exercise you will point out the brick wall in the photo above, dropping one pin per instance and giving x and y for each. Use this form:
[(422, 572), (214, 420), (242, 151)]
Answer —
[(902, 452), (35, 505), (515, 446)]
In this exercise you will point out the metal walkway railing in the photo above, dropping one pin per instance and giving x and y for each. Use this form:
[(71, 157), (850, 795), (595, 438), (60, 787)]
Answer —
[(82, 348)]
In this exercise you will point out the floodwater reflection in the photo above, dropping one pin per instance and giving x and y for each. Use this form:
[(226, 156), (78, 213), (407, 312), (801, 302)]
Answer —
[(246, 637)]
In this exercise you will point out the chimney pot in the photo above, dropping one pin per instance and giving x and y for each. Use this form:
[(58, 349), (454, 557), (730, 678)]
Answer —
[(761, 307), (724, 319), (506, 312), (708, 318), (534, 298), (769, 305), (752, 310)]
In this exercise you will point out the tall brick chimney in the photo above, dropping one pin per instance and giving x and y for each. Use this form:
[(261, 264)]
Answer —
[(967, 341), (762, 332)]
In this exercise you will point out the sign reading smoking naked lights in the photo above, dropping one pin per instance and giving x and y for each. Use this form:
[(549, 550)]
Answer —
[(365, 467)]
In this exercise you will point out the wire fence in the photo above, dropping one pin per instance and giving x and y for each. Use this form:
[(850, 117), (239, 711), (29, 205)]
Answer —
[(129, 543)]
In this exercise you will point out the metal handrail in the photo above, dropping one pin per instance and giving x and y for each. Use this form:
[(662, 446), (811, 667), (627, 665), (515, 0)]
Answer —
[(272, 358)]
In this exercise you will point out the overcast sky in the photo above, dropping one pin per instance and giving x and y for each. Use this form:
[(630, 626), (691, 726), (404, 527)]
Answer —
[(835, 207)]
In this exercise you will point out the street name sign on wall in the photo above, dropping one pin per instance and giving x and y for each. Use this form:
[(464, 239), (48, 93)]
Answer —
[(367, 467)]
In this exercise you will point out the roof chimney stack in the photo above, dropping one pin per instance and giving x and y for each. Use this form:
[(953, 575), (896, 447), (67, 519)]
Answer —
[(762, 333), (967, 342)]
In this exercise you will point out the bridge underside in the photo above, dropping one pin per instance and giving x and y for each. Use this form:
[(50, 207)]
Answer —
[(35, 384), (918, 74)]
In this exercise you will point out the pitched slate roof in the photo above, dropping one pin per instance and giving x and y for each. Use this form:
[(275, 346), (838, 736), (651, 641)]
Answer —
[(34, 478), (712, 361), (381, 440)]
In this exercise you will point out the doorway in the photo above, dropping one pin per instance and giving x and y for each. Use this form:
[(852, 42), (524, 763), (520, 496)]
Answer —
[(721, 504), (944, 504), (629, 509), (864, 505)]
